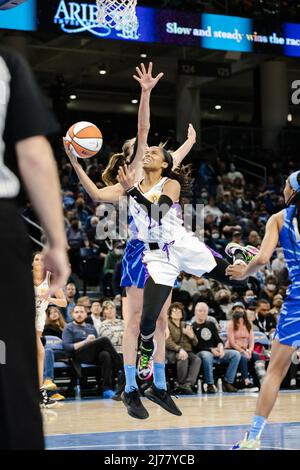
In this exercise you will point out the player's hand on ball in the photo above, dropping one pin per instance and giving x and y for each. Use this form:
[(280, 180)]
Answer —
[(144, 77), (126, 177), (236, 272), (68, 151)]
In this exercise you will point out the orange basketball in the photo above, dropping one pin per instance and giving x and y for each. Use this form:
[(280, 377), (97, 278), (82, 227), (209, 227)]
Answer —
[(85, 139)]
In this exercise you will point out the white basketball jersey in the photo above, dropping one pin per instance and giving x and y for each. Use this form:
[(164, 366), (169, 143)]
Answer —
[(40, 290), (148, 230)]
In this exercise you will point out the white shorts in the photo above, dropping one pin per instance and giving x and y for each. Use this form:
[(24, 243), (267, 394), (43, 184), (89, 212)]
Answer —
[(40, 319), (187, 254)]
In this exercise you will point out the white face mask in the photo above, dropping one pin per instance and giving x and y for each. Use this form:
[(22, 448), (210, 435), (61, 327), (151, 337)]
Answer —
[(215, 236), (271, 287)]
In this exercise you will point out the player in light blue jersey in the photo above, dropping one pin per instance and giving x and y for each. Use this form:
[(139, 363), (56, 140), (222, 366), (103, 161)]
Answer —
[(285, 228)]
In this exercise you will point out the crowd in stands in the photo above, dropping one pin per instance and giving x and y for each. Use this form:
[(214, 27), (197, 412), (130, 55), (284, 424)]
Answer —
[(210, 324)]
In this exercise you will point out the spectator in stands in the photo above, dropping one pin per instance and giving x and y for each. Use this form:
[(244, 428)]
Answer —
[(71, 296), (278, 264), (249, 298), (254, 239), (238, 188), (223, 297), (251, 315), (210, 349), (81, 340), (77, 239), (112, 258), (81, 212), (245, 205), (212, 209), (207, 174), (237, 237), (201, 307), (50, 356), (214, 308), (238, 307), (277, 306), (95, 317), (227, 205), (112, 327), (265, 321), (179, 345), (85, 301), (55, 322), (270, 289), (240, 337), (233, 174)]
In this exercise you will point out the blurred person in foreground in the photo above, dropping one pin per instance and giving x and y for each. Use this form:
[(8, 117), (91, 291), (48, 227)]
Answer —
[(24, 121)]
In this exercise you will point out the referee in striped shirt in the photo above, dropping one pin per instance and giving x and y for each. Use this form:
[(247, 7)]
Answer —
[(25, 154)]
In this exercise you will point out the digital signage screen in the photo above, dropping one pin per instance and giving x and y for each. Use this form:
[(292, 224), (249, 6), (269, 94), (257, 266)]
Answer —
[(174, 27), (18, 15)]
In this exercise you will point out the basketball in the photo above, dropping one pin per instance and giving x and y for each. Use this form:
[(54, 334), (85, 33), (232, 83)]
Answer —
[(85, 139)]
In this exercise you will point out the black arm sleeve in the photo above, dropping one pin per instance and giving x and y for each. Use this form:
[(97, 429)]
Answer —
[(154, 211)]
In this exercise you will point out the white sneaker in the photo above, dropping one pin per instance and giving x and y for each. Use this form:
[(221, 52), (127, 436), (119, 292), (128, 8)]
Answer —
[(246, 444)]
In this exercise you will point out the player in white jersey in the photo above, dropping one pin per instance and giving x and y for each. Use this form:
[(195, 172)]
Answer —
[(42, 299), (169, 247)]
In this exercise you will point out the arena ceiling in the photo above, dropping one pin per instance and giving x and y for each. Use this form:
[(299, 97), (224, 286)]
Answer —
[(78, 60)]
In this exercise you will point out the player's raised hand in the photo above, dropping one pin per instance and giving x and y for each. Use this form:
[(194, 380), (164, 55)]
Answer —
[(192, 135), (236, 272), (144, 77), (69, 152), (126, 177)]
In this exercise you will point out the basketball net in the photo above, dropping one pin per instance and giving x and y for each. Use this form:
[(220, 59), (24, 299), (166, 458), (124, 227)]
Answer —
[(119, 15)]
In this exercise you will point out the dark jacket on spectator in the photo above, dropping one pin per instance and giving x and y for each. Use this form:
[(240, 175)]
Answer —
[(51, 330), (265, 324), (74, 333), (177, 339), (207, 335)]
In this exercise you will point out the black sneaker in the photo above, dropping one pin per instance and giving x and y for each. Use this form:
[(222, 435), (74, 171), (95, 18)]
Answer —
[(229, 388), (211, 388), (135, 407), (45, 401), (163, 399)]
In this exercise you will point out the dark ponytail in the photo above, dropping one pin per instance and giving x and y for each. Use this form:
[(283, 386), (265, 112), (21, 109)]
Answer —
[(182, 174)]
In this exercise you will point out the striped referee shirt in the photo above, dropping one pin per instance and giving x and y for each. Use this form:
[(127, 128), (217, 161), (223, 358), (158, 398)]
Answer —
[(23, 114)]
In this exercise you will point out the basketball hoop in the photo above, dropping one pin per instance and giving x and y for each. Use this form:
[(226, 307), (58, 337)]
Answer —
[(119, 15)]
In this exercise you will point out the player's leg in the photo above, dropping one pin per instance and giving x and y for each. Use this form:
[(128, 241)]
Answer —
[(40, 357), (159, 375), (131, 395), (280, 361), (155, 296)]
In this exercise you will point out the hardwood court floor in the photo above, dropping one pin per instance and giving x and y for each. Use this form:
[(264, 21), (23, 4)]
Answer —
[(208, 422)]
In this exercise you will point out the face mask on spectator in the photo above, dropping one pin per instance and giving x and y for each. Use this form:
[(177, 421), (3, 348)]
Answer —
[(271, 287), (250, 299), (119, 251), (238, 314), (224, 300), (215, 235)]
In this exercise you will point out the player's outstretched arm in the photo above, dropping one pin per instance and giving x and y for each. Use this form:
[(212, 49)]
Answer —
[(182, 152), (268, 246), (107, 194), (147, 83)]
